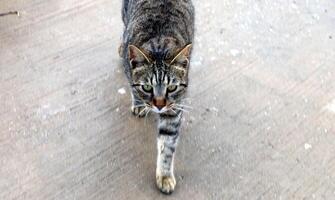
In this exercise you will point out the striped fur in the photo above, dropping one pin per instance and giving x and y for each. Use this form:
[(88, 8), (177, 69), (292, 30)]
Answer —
[(156, 50)]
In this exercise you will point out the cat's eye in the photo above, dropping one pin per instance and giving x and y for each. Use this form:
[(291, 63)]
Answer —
[(171, 88), (147, 88)]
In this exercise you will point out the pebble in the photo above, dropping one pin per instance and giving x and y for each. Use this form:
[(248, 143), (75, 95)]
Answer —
[(234, 52), (121, 91), (308, 146)]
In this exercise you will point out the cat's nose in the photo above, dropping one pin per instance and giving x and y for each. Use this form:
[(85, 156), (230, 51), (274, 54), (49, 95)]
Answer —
[(159, 102)]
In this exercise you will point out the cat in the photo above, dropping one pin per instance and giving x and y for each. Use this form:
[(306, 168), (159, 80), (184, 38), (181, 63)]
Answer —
[(156, 50)]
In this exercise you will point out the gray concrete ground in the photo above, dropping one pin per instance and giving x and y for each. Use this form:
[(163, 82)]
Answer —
[(262, 91)]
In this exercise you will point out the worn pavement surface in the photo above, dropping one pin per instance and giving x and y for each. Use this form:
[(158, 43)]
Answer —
[(262, 91)]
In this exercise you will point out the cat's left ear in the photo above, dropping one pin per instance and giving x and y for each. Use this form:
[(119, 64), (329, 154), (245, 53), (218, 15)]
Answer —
[(183, 57)]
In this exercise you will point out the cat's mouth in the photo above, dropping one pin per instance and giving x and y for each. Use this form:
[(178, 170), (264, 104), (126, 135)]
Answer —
[(163, 109), (160, 110)]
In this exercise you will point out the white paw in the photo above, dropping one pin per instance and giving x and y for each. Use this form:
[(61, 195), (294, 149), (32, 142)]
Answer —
[(166, 184)]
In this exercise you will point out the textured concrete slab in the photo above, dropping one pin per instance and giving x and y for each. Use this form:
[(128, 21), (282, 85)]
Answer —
[(262, 92)]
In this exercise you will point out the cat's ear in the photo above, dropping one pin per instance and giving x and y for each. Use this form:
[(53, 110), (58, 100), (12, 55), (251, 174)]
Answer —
[(183, 57), (137, 56)]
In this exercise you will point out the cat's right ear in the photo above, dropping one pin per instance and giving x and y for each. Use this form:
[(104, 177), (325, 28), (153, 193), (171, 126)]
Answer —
[(183, 57), (137, 57)]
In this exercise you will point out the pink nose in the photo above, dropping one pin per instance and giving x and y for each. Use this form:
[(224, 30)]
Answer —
[(159, 102)]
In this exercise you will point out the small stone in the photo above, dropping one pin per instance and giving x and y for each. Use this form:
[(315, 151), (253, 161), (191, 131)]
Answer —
[(330, 106), (234, 52), (73, 92), (308, 146), (121, 91), (215, 109)]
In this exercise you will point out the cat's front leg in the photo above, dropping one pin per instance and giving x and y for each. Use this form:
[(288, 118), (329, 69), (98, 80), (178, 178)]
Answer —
[(168, 134), (138, 107)]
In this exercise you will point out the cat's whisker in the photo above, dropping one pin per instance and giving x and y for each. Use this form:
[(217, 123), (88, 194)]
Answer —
[(141, 105), (183, 105), (146, 119), (183, 110), (179, 104), (146, 114), (145, 108), (178, 108), (173, 111)]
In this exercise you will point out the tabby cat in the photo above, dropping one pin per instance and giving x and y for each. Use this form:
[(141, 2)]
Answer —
[(156, 49)]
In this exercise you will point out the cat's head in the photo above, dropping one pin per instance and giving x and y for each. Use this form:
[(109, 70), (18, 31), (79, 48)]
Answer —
[(159, 82)]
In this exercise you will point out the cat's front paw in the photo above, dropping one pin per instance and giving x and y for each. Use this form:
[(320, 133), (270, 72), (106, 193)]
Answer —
[(166, 184), (138, 111)]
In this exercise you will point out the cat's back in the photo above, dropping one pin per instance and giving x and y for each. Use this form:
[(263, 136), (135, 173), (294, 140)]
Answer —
[(145, 19)]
